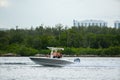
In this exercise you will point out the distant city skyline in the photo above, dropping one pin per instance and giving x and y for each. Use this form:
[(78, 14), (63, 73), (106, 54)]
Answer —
[(27, 13)]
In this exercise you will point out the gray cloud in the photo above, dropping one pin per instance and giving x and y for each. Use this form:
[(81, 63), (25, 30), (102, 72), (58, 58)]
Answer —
[(4, 3)]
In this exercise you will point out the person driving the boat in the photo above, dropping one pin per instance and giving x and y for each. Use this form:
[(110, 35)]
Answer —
[(57, 55)]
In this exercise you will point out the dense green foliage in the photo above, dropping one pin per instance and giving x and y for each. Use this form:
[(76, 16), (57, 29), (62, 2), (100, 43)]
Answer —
[(112, 51), (92, 40)]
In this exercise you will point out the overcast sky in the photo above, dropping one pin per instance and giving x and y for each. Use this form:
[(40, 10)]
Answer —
[(27, 13)]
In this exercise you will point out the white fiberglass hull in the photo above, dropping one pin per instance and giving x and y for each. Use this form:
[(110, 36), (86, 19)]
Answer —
[(50, 61)]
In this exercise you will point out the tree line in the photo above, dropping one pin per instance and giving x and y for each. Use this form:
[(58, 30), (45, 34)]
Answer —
[(92, 40)]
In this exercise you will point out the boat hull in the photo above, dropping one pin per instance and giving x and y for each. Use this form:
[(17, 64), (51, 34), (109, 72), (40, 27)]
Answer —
[(50, 61)]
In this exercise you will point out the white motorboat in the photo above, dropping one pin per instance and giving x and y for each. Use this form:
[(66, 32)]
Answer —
[(52, 60)]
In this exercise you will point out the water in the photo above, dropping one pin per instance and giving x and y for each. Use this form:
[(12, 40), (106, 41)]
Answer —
[(90, 68)]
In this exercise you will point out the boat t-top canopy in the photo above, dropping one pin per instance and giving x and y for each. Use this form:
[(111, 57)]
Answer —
[(54, 49)]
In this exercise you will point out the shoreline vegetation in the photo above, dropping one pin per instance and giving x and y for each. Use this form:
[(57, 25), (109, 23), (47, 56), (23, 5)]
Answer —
[(72, 52), (92, 41)]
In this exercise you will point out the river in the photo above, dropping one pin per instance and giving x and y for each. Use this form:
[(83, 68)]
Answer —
[(89, 68)]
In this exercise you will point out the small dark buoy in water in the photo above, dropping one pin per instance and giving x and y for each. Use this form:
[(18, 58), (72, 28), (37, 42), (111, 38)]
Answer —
[(77, 60)]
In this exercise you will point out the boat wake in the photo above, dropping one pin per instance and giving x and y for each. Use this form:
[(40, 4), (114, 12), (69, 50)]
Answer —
[(17, 63), (91, 65)]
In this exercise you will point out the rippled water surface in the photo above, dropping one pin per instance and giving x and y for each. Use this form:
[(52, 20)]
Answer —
[(90, 68)]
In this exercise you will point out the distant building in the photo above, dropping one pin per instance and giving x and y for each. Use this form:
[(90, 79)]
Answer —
[(117, 24), (3, 29), (90, 23)]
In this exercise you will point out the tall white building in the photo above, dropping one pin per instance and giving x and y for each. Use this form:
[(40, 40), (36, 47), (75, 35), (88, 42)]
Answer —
[(117, 24), (90, 23)]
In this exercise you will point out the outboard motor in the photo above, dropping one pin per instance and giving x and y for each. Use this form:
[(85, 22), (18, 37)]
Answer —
[(77, 60)]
